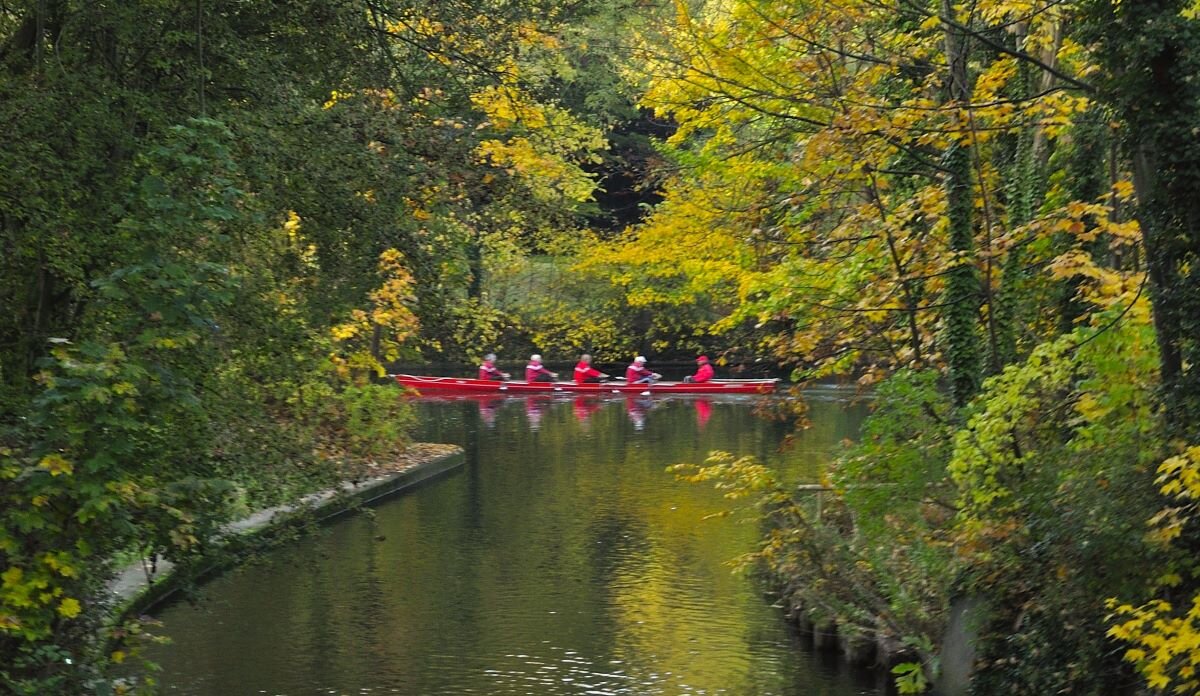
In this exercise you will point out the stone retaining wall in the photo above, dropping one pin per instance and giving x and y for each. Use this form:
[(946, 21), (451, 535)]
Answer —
[(132, 591)]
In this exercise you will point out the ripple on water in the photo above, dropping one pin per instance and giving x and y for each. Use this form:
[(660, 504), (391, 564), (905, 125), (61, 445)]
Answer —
[(561, 561)]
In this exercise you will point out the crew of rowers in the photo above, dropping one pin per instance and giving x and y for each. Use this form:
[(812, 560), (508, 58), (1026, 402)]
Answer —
[(636, 373)]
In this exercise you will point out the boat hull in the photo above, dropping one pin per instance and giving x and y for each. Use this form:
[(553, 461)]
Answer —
[(465, 385)]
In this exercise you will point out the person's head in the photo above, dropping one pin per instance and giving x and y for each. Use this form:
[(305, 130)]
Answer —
[(640, 360), (535, 358), (490, 357), (703, 359), (585, 358)]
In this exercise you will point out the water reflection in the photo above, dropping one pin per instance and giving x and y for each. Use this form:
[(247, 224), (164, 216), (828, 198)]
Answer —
[(636, 408), (560, 560), (703, 411), (585, 406), (535, 407), (487, 410)]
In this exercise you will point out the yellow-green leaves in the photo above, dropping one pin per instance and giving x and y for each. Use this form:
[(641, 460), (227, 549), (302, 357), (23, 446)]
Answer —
[(56, 465), (543, 145), (1166, 636), (1166, 642), (69, 608), (373, 336), (31, 600)]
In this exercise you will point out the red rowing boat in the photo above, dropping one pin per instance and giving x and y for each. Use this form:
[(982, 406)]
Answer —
[(465, 385)]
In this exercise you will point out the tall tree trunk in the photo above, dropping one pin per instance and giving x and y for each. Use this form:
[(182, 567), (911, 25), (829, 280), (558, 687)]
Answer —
[(1022, 192), (475, 261), (1152, 58), (1088, 178), (960, 314)]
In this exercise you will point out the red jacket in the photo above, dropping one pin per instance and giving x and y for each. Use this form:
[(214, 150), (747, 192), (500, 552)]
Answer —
[(532, 370), (490, 371), (635, 372), (704, 374), (584, 371)]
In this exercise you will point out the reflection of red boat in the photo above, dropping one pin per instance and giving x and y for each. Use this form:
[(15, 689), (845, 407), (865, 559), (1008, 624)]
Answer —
[(584, 407), (467, 385), (703, 412)]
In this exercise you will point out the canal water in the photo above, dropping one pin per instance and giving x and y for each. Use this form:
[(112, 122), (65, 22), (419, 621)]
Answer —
[(560, 559)]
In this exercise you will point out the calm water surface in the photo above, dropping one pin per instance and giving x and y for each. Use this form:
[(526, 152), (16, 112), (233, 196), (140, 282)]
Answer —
[(561, 559)]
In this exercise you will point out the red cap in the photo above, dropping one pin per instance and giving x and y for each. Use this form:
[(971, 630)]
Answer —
[(702, 358)]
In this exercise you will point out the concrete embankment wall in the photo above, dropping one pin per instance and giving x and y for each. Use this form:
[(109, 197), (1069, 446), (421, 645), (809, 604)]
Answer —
[(132, 591)]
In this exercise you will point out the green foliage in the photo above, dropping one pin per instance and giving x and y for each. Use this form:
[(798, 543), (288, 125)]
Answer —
[(216, 222), (1052, 472), (871, 554), (376, 422), (962, 294), (910, 678), (112, 456), (1037, 503), (563, 308), (893, 484), (902, 453)]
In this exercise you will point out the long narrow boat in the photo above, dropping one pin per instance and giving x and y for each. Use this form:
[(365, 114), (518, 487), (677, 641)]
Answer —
[(465, 385)]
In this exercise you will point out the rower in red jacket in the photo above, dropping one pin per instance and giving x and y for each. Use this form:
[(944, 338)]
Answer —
[(584, 372), (489, 371), (704, 373), (638, 373), (535, 371)]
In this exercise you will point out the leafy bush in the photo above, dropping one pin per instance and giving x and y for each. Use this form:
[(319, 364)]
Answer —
[(1035, 504), (872, 554), (1053, 472), (377, 420)]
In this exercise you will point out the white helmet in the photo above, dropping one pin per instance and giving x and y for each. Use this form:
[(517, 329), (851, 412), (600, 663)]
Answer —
[(535, 358), (640, 359)]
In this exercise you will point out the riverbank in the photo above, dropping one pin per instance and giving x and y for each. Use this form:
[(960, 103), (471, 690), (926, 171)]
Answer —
[(139, 586)]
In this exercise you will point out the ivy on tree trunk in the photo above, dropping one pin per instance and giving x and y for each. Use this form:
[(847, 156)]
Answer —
[(961, 312)]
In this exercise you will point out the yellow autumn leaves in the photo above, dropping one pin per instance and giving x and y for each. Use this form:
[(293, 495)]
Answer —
[(541, 144), (21, 590), (372, 336), (1166, 646), (1165, 638)]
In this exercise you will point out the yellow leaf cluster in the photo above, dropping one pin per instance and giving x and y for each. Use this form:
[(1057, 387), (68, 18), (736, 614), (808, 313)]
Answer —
[(549, 176), (389, 316), (69, 607), (295, 243), (541, 144), (1166, 642), (1166, 638), (56, 465)]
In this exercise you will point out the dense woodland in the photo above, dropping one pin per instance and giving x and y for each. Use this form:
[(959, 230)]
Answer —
[(219, 220)]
